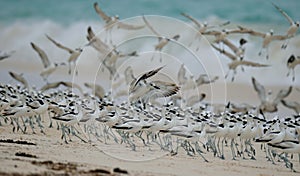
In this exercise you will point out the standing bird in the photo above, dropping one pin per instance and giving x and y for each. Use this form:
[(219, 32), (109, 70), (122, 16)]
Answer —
[(291, 64), (49, 67), (74, 54), (268, 105), (292, 30), (162, 40)]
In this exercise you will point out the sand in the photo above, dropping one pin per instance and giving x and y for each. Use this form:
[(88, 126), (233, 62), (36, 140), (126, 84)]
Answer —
[(47, 154)]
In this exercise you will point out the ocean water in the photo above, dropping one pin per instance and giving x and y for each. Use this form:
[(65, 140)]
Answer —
[(73, 11), (25, 21)]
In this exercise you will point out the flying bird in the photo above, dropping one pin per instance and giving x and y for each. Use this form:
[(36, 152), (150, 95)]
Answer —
[(49, 67), (20, 78), (74, 54), (162, 40), (112, 21), (267, 104), (294, 26)]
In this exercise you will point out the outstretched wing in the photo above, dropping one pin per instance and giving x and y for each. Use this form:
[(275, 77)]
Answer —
[(222, 51), (60, 45), (181, 75), (259, 89), (105, 17), (253, 64), (145, 76), (20, 78), (129, 77), (51, 86), (292, 105), (282, 94), (290, 20), (163, 89), (72, 85), (150, 27), (42, 54), (129, 26), (197, 23), (96, 42), (97, 89)]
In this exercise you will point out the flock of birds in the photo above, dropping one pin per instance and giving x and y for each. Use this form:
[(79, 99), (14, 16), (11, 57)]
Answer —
[(143, 120)]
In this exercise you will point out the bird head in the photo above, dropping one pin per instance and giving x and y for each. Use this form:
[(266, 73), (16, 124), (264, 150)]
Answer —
[(243, 41), (297, 23), (271, 31), (291, 59)]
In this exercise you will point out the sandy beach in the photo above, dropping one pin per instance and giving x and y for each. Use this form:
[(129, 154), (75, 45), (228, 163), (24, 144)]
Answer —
[(46, 154)]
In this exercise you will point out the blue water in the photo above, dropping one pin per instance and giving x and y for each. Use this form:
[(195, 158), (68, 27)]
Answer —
[(70, 11)]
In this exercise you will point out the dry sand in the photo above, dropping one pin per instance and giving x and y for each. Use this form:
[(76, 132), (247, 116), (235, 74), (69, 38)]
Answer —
[(47, 154)]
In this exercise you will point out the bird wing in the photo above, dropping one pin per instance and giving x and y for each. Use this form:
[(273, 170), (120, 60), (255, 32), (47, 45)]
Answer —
[(129, 26), (197, 23), (60, 45), (5, 55), (50, 86), (244, 30), (20, 78), (150, 27), (96, 42), (192, 100), (229, 55), (181, 75), (282, 94), (146, 76), (97, 89), (259, 89), (256, 33), (205, 79), (290, 20), (105, 17), (42, 55), (129, 77), (279, 37), (163, 89), (230, 45), (212, 33), (72, 85), (292, 105), (253, 64)]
